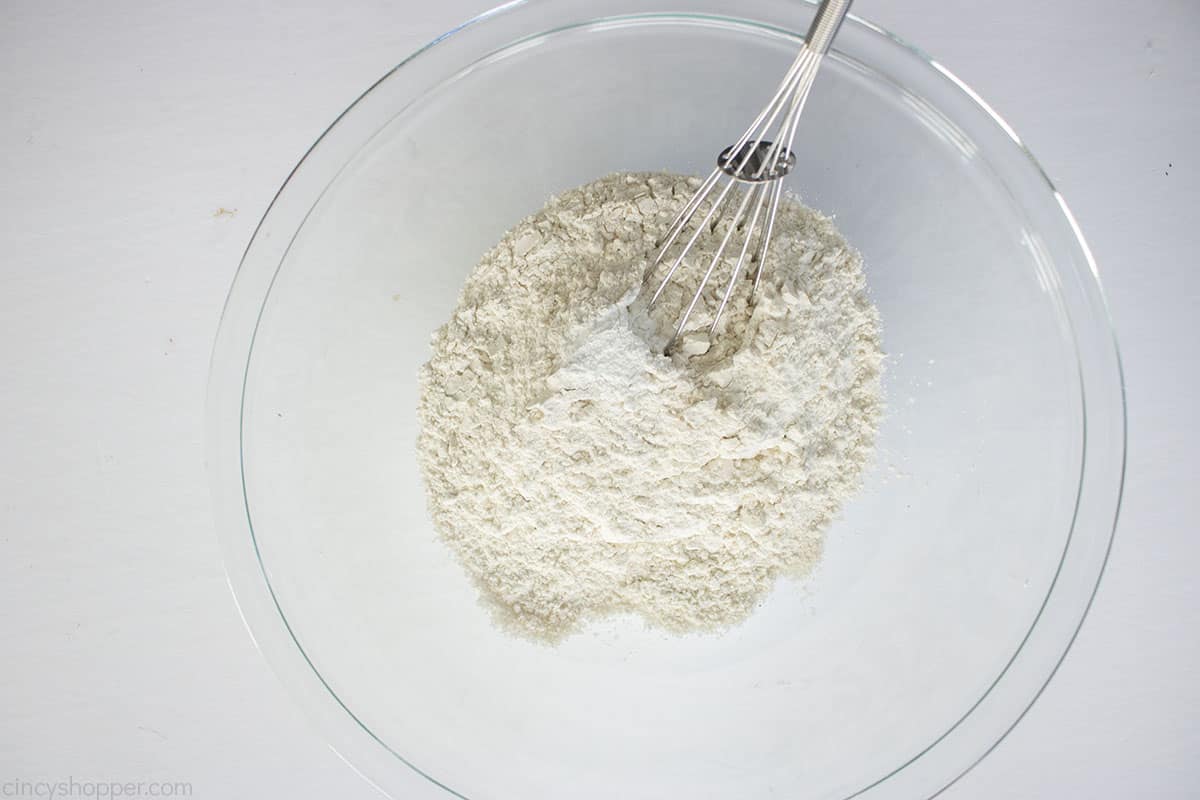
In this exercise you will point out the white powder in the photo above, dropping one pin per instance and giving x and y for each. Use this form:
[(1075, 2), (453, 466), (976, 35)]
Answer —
[(577, 472)]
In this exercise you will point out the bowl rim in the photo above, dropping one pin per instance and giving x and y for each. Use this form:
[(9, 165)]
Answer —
[(248, 576)]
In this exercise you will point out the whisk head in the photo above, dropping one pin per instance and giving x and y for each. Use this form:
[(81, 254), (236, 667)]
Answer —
[(756, 163)]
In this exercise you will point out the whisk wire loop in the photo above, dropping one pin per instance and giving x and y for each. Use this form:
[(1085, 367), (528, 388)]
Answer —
[(758, 165)]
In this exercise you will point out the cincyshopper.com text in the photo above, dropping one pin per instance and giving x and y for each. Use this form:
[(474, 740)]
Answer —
[(74, 787)]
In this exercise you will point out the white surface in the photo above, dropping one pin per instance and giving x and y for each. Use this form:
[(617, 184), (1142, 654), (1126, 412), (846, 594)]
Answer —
[(127, 126)]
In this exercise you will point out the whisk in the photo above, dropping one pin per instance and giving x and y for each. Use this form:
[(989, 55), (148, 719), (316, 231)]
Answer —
[(756, 163)]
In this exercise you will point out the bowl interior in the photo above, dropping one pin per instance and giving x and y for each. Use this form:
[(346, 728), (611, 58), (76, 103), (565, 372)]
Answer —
[(933, 577)]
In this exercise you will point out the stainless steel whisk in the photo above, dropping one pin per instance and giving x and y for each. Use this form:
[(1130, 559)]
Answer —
[(759, 164)]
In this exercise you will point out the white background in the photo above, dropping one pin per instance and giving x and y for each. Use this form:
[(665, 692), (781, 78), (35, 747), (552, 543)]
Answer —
[(127, 126)]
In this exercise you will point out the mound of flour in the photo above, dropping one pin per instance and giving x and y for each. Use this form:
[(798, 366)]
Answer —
[(577, 472)]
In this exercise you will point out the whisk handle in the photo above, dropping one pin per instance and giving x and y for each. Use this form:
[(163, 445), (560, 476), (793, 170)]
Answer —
[(825, 25)]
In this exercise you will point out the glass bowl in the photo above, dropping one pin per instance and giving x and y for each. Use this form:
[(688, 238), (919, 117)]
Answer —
[(952, 585)]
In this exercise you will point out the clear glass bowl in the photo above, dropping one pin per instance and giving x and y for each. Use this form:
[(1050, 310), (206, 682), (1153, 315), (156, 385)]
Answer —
[(951, 587)]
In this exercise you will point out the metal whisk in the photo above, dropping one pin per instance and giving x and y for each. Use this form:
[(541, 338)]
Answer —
[(756, 163)]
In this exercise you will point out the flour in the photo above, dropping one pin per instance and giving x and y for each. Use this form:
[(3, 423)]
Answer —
[(577, 472)]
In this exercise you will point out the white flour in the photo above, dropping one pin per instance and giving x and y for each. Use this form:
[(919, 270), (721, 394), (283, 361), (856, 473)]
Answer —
[(576, 472)]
